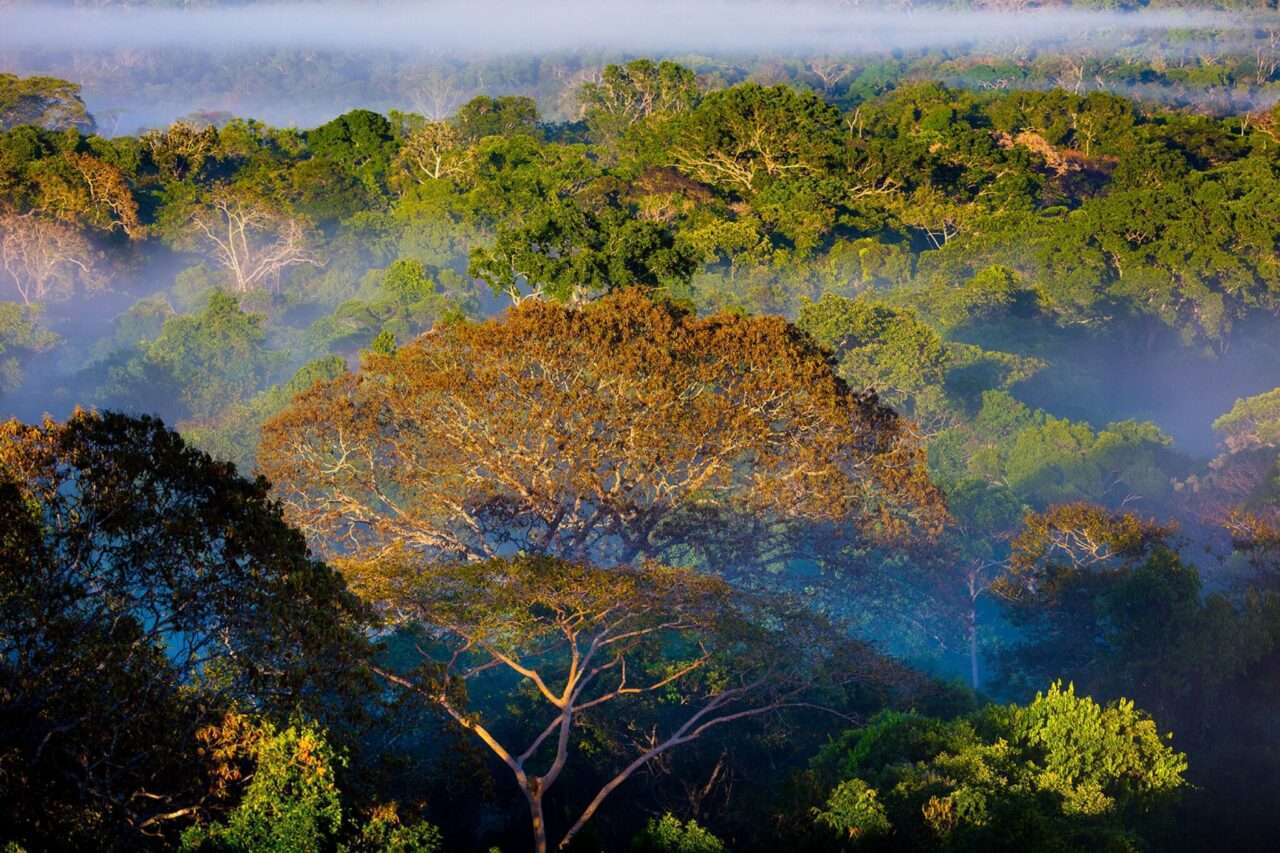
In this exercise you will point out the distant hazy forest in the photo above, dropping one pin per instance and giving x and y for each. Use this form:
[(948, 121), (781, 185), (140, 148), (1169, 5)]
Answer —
[(602, 449), (145, 64)]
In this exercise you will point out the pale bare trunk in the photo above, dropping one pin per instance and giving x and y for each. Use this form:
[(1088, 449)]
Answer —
[(975, 589), (973, 648)]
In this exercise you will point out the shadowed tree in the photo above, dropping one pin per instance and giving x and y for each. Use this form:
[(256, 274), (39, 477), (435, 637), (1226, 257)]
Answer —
[(680, 651), (1256, 534), (143, 589), (21, 336), (1070, 578), (971, 557), (1079, 537)]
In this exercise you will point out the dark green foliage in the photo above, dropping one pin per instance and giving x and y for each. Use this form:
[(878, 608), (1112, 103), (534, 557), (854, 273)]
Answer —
[(505, 116), (568, 252), (144, 588), (20, 338), (359, 143), (215, 357)]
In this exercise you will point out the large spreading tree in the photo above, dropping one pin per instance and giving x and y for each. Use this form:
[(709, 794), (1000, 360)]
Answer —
[(619, 430)]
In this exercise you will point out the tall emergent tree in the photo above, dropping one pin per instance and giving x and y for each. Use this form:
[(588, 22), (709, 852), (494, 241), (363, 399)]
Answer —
[(618, 430), (144, 588)]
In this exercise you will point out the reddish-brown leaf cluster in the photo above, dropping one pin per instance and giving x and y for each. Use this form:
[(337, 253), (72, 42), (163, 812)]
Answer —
[(612, 431), (1076, 537)]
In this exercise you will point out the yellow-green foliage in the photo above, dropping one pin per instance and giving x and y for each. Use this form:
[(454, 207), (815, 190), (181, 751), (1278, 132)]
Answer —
[(1095, 757), (1252, 422), (1061, 773), (668, 834), (292, 802)]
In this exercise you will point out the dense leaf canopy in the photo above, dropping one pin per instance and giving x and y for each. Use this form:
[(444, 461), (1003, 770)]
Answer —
[(619, 429)]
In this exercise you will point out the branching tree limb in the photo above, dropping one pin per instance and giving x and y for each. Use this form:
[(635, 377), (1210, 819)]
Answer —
[(252, 241), (588, 638)]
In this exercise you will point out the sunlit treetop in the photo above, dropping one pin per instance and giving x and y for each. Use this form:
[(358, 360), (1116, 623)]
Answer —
[(1252, 422), (1061, 773), (1069, 540), (619, 429)]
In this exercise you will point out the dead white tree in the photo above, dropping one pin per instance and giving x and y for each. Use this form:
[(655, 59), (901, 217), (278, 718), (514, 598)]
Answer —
[(1071, 77), (44, 258), (1267, 58), (829, 71), (438, 95), (434, 150), (252, 240)]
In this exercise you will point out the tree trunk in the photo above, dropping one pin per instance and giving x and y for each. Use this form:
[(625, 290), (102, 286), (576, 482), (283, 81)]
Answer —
[(973, 648), (539, 823)]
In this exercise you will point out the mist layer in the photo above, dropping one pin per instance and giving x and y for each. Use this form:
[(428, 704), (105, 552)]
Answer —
[(531, 27)]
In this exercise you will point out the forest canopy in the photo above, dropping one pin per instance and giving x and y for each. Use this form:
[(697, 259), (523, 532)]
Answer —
[(681, 453)]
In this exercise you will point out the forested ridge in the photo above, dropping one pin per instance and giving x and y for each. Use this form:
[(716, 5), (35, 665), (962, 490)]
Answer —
[(856, 461)]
